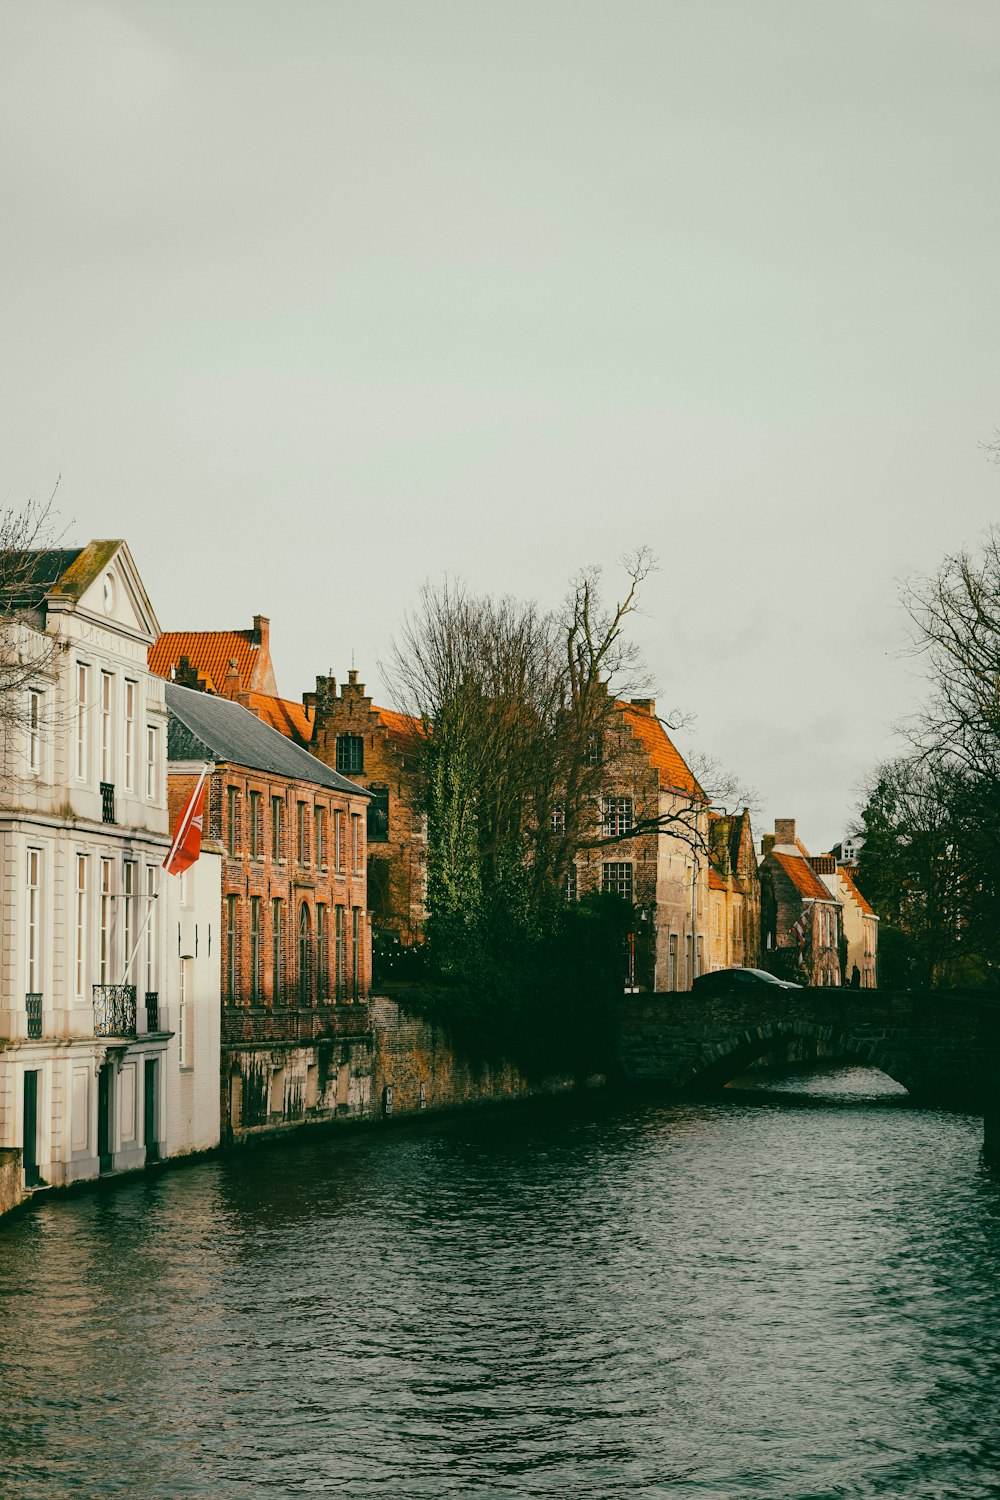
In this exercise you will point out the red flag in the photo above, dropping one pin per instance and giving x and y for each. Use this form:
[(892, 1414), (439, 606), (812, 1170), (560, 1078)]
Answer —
[(186, 845)]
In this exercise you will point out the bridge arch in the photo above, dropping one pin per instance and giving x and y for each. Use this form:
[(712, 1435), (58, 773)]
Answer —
[(732, 1054)]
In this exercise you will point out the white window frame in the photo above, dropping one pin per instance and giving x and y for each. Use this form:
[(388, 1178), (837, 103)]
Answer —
[(34, 731), (152, 763), (107, 727), (82, 760), (130, 891), (152, 985), (82, 911), (33, 923), (106, 929), (128, 749)]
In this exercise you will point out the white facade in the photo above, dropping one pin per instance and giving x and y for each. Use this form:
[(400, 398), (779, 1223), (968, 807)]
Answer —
[(85, 1078), (191, 978)]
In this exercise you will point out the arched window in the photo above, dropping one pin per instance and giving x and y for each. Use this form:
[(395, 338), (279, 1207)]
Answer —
[(305, 956)]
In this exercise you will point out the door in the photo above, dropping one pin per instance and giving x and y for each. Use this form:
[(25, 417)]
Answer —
[(105, 1098), (150, 1108), (32, 1176)]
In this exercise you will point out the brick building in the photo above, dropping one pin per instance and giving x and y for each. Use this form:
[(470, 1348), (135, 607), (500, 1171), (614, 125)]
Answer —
[(733, 893), (379, 749), (295, 943), (801, 918)]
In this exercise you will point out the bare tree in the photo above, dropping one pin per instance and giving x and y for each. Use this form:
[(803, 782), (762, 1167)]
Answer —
[(26, 652)]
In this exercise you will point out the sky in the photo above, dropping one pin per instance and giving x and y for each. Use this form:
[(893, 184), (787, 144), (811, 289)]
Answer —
[(315, 302)]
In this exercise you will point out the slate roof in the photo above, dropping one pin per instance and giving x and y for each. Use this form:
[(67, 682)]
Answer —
[(674, 773), (203, 727), (209, 652)]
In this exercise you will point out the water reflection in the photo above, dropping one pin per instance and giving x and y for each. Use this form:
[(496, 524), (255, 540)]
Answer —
[(757, 1296)]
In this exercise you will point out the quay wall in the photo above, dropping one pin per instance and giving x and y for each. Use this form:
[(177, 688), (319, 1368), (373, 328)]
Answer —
[(11, 1191)]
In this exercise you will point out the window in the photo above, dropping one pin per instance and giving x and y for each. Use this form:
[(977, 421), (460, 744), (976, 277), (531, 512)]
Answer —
[(152, 765), (305, 956), (255, 976), (355, 950), (672, 963), (572, 886), (557, 820), (82, 694), (34, 732), (152, 984), (338, 841), (107, 937), (688, 949), (232, 821), (80, 944), (185, 1031), (618, 820), (339, 954), (128, 748), (357, 847), (378, 815), (616, 879), (34, 921), (277, 966), (594, 753), (302, 839), (232, 967), (350, 753), (319, 834), (699, 957), (107, 728), (255, 829), (322, 961), (130, 890), (276, 828)]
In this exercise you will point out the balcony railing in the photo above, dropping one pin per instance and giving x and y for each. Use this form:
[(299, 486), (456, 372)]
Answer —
[(107, 802), (33, 1005), (152, 1010), (114, 1010)]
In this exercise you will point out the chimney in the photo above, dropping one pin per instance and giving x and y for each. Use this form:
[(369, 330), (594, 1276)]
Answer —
[(784, 830), (262, 632), (233, 685), (644, 705), (824, 864), (767, 843)]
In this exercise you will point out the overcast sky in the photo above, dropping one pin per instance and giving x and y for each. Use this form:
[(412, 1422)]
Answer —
[(312, 302)]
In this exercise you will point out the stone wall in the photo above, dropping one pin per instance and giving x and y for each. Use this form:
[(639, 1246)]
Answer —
[(11, 1191)]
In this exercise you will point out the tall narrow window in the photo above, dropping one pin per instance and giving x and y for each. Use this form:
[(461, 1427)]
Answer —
[(185, 1030), (319, 832), (128, 748), (275, 828), (232, 820), (689, 954), (107, 934), (572, 885), (357, 847), (82, 695), (355, 951), (152, 766), (338, 841), (378, 815), (232, 963), (107, 727), (34, 922), (277, 965), (301, 838), (322, 974), (130, 888), (255, 825), (80, 944), (305, 956), (340, 958), (672, 963), (152, 984), (34, 732), (255, 974), (699, 957)]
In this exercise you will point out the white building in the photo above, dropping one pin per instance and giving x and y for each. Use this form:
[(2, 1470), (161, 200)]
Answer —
[(89, 1066)]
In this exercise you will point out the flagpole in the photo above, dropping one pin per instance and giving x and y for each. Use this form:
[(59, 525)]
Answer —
[(182, 828)]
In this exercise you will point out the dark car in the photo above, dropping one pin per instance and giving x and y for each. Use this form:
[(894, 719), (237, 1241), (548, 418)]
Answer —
[(727, 980)]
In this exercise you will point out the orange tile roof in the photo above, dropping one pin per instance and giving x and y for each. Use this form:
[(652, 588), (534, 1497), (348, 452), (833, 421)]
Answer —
[(290, 719), (208, 651), (853, 892), (803, 876), (402, 727), (674, 772), (715, 881)]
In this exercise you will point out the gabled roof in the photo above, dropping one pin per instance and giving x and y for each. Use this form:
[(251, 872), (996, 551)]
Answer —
[(853, 892), (716, 881), (802, 875), (203, 727), (675, 775), (209, 652), (289, 719)]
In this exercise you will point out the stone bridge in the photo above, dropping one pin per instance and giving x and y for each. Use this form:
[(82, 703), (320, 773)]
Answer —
[(942, 1046)]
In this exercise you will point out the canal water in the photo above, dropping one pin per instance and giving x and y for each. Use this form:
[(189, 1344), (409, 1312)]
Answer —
[(789, 1293)]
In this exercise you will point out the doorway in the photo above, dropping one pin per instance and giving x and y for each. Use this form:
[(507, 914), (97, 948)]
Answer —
[(105, 1117), (150, 1110), (29, 1152)]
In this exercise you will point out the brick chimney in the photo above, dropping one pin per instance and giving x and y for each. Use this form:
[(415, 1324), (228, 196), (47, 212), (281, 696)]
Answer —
[(644, 705), (784, 830), (233, 685), (262, 632), (824, 864)]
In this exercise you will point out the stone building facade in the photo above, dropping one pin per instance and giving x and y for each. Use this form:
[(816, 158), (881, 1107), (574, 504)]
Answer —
[(294, 934), (801, 920), (380, 750), (733, 893), (859, 924)]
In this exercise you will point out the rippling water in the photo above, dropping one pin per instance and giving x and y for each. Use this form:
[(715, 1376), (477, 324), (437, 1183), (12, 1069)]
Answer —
[(778, 1295)]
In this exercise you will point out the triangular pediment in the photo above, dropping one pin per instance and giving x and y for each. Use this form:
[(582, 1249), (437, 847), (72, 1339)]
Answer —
[(104, 584)]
